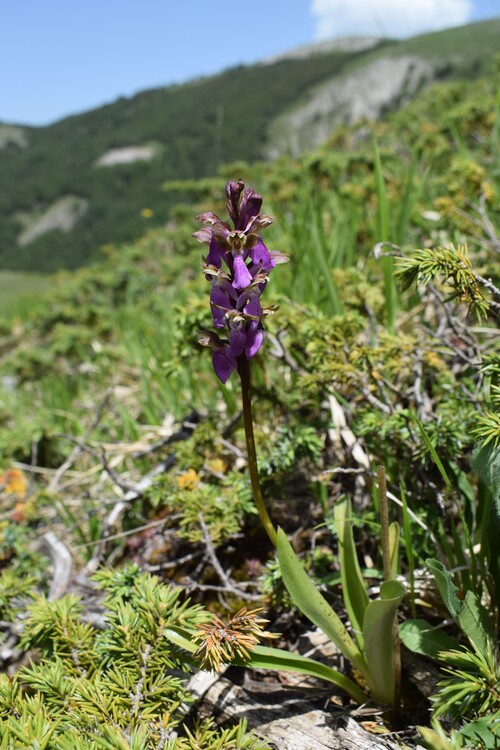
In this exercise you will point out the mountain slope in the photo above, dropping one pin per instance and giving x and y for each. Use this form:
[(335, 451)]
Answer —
[(86, 163)]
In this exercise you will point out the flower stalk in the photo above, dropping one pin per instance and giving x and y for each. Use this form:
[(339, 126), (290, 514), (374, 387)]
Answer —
[(238, 265), (244, 373)]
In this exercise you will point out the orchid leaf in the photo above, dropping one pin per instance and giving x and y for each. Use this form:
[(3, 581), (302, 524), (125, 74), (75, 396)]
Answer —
[(378, 631), (182, 637), (353, 586), (485, 729), (486, 464), (263, 657), (313, 605)]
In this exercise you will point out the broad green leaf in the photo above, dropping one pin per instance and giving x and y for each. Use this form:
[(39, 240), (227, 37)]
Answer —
[(469, 614), (486, 464), (474, 621), (421, 637), (394, 547), (446, 587), (486, 729), (313, 605), (353, 587), (379, 634)]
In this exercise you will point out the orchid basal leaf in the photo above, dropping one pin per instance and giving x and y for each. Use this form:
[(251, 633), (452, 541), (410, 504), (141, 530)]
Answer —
[(378, 631), (313, 605), (470, 614), (354, 591), (447, 588), (263, 657)]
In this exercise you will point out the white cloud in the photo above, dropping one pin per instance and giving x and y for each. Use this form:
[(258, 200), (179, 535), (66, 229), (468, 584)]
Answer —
[(392, 18)]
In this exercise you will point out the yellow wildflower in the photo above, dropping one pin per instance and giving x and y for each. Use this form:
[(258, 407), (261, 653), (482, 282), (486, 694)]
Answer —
[(13, 482), (188, 480)]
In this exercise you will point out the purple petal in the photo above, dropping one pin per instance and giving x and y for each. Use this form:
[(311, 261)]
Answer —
[(223, 364), (209, 338), (261, 221), (254, 342), (242, 276), (237, 341), (233, 192), (249, 207), (253, 306), (218, 300), (278, 257), (260, 254), (248, 296), (209, 218), (215, 254)]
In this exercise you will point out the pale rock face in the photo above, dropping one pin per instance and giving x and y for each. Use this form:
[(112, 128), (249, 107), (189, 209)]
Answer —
[(12, 135), (362, 93), (126, 155), (61, 215)]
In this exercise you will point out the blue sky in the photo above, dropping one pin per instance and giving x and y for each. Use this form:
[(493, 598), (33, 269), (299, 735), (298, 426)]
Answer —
[(59, 57)]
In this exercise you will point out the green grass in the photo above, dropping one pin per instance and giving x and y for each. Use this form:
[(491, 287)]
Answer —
[(21, 291)]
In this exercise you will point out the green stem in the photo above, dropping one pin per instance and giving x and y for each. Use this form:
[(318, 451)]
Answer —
[(244, 373)]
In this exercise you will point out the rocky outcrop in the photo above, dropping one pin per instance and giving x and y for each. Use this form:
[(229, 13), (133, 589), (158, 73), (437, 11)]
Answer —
[(61, 215), (365, 92), (126, 155), (12, 136)]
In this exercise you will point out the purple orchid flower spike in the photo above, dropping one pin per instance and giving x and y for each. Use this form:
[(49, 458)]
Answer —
[(238, 264)]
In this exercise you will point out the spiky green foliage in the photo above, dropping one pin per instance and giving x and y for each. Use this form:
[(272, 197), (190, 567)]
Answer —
[(120, 686), (13, 587), (451, 265), (471, 688)]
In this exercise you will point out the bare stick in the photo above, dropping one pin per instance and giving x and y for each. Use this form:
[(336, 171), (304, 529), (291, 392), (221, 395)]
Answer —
[(384, 522), (229, 587), (61, 560)]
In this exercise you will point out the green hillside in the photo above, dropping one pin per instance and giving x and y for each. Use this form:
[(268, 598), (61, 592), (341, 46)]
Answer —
[(58, 207)]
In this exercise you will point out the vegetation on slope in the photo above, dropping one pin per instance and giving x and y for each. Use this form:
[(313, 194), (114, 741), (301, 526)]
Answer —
[(116, 436)]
